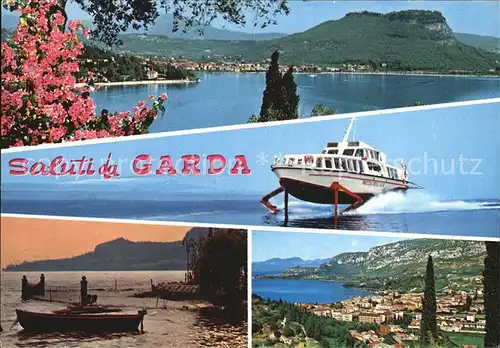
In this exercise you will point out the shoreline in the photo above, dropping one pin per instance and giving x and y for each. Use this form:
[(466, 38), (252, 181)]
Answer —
[(142, 82), (384, 73), (396, 73)]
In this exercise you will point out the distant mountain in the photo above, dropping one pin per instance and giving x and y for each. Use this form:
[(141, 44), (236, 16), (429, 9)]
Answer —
[(405, 40), (280, 265), (488, 43), (396, 41), (401, 265), (120, 255), (164, 24)]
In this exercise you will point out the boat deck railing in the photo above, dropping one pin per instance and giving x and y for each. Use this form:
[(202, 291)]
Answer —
[(336, 162)]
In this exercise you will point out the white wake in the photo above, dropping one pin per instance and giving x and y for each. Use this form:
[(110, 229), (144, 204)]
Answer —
[(416, 202)]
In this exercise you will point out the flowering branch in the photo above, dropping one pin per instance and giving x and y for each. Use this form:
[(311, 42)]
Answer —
[(41, 102)]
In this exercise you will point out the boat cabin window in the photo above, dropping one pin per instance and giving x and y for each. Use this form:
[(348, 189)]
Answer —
[(360, 166), (337, 163), (319, 162), (323, 152), (299, 161), (350, 165), (348, 152), (344, 164), (290, 161), (359, 153), (328, 163), (333, 152), (373, 166), (393, 173)]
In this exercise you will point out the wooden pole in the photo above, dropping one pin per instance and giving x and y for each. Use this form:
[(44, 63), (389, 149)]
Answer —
[(335, 187), (286, 207)]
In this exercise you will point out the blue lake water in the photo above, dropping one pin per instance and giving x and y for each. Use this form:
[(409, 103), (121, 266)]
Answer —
[(466, 218), (228, 98), (459, 197), (304, 291)]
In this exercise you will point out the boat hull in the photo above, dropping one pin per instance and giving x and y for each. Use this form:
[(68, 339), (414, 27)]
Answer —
[(315, 185), (47, 322)]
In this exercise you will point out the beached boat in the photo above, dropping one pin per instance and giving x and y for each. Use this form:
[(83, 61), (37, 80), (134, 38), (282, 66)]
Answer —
[(345, 172), (90, 323), (83, 309)]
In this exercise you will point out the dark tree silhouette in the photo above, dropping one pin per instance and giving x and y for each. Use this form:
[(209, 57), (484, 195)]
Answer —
[(491, 282), (111, 17), (280, 100), (272, 96), (428, 326), (221, 268), (291, 98)]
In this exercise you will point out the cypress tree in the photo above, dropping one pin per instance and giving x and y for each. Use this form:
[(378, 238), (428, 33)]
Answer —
[(491, 283), (428, 326), (271, 98), (291, 98)]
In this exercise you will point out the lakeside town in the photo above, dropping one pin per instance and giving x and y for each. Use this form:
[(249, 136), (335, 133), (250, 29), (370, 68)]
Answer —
[(128, 68), (399, 315)]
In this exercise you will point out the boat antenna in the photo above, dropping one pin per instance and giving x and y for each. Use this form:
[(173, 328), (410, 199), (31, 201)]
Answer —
[(348, 130)]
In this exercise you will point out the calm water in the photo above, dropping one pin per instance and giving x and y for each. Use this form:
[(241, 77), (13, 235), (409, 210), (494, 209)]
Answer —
[(166, 326), (423, 215), (225, 99), (304, 291)]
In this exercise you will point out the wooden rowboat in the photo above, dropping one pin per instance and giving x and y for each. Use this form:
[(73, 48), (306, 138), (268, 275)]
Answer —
[(89, 323), (84, 309)]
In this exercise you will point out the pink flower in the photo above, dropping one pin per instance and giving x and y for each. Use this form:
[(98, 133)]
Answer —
[(38, 92), (73, 25)]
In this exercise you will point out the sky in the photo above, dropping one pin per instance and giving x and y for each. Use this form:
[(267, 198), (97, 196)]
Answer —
[(27, 239), (309, 246), (452, 152), (474, 17)]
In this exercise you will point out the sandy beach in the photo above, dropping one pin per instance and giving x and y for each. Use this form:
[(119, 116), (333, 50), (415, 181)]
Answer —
[(167, 323)]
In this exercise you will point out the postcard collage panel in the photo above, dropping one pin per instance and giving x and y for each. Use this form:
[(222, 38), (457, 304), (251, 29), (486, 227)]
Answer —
[(296, 174)]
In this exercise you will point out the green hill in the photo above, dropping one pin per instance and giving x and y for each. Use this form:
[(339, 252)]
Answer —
[(405, 40), (489, 43), (401, 266), (120, 255)]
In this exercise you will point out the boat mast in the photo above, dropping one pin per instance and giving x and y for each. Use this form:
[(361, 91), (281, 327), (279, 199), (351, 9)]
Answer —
[(348, 130)]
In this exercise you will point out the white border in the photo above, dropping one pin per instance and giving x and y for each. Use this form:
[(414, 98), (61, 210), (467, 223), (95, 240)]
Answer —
[(256, 228), (250, 125), (250, 230)]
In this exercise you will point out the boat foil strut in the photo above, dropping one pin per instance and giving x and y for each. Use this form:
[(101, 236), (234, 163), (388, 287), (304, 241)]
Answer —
[(335, 188)]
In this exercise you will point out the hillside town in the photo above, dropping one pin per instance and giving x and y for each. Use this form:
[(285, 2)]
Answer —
[(399, 315)]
